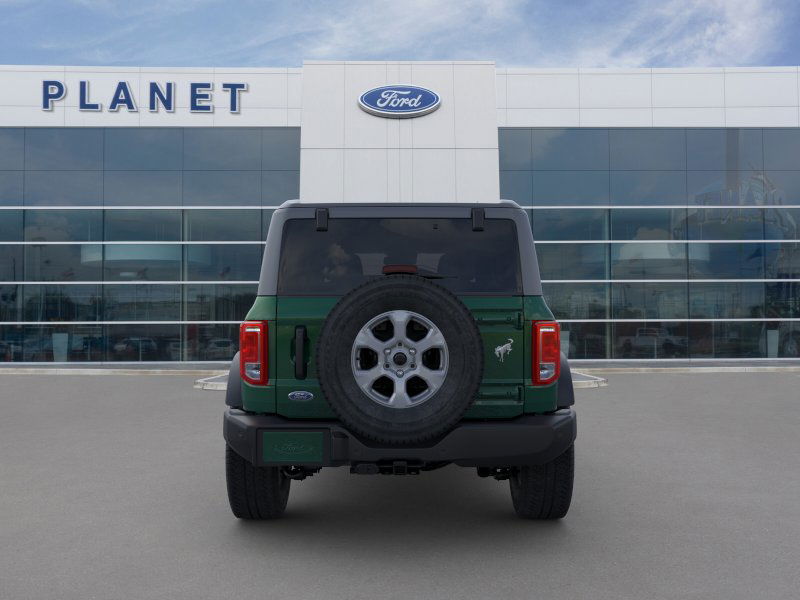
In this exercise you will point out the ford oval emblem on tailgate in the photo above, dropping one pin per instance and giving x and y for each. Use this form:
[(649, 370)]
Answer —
[(301, 396)]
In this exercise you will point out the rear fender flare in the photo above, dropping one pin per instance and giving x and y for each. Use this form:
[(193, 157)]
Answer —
[(233, 392), (566, 394)]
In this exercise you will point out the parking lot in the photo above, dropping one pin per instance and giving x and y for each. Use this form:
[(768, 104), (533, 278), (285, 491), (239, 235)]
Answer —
[(687, 485)]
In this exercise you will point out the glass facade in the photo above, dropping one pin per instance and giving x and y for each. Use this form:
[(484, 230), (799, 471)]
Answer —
[(144, 244), (135, 244), (664, 243)]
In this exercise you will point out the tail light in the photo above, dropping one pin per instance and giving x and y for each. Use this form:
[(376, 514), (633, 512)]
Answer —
[(253, 352), (546, 352)]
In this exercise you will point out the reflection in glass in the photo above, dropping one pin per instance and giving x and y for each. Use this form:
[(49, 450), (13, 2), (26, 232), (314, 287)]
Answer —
[(142, 225), (63, 188), (573, 261), (280, 147), (584, 340), (570, 225), (153, 262), (11, 337), (783, 299), (637, 300), (63, 148), (782, 148), (11, 188), (222, 225), (211, 342), (222, 148), (142, 188), (219, 302), (63, 225), (10, 304), (577, 300), (62, 303), (720, 339), (142, 302), (10, 226), (570, 149), (648, 224), (648, 149), (783, 340), (62, 343), (279, 186), (650, 339), (143, 342), (63, 262), (783, 260), (724, 149), (648, 187), (726, 261), (214, 188), (143, 148), (517, 186), (236, 262), (648, 261), (726, 224), (733, 188), (726, 300), (12, 148), (562, 188), (11, 263), (514, 149)]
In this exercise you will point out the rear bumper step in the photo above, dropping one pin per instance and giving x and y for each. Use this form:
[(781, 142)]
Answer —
[(527, 440)]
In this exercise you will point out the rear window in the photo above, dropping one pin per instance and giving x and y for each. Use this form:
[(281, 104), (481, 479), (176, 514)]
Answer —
[(353, 251)]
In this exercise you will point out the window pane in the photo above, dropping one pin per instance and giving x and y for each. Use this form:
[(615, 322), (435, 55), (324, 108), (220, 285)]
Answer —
[(573, 261), (649, 224), (648, 187), (782, 148), (783, 187), (142, 302), (266, 217), (570, 149), (63, 225), (727, 340), (62, 303), (222, 148), (143, 188), (211, 342), (584, 340), (570, 224), (10, 226), (514, 147), (726, 300), (143, 148), (517, 186), (12, 148), (726, 224), (223, 225), (577, 300), (724, 149), (10, 307), (237, 262), (648, 149), (787, 339), (279, 186), (154, 262), (65, 188), (783, 299), (142, 225), (219, 302), (651, 339), (143, 342), (11, 188), (732, 188), (67, 262), (11, 338), (726, 261), (570, 187), (649, 300), (280, 147), (648, 261), (783, 261), (221, 188), (11, 263), (62, 343), (63, 149)]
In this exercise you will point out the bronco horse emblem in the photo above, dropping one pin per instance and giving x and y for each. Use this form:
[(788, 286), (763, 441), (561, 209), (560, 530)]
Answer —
[(501, 351)]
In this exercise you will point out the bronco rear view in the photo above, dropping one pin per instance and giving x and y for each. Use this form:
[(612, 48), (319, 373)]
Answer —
[(395, 339)]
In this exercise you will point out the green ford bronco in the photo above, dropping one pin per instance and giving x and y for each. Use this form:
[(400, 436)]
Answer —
[(399, 338)]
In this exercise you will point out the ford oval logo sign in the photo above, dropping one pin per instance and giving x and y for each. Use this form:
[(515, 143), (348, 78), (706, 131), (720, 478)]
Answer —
[(399, 101)]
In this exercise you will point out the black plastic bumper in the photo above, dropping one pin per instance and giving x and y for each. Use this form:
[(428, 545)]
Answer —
[(526, 440)]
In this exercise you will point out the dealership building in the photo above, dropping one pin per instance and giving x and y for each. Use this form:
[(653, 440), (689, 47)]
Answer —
[(134, 202)]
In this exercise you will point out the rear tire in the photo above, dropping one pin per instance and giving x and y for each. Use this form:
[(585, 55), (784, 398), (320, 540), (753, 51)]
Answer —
[(544, 491), (255, 492)]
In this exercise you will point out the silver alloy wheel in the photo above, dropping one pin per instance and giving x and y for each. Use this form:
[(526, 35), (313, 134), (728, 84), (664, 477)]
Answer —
[(403, 367)]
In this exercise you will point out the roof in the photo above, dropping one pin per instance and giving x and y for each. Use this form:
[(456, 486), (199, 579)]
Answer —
[(312, 204)]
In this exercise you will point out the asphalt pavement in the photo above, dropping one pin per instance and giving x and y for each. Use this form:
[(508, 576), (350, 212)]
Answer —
[(687, 486)]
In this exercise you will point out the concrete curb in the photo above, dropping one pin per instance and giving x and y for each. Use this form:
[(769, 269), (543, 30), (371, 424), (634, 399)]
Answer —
[(57, 371), (697, 370)]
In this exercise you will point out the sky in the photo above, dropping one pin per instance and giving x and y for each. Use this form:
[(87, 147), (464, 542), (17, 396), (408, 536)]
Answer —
[(580, 33)]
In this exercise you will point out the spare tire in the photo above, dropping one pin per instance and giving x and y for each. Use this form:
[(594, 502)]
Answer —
[(399, 359)]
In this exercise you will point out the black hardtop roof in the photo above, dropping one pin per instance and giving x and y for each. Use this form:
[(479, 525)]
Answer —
[(309, 204)]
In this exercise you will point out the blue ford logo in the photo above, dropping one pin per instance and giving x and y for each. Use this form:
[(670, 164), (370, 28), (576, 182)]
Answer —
[(301, 396), (399, 101)]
